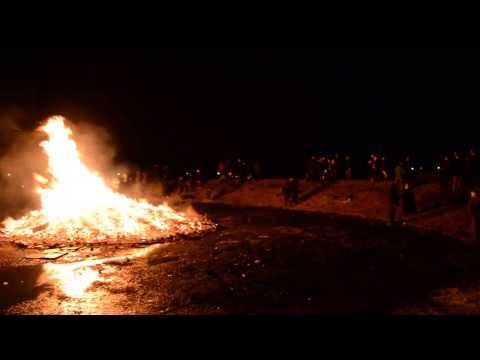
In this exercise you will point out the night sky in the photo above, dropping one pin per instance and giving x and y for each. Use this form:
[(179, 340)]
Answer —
[(195, 106)]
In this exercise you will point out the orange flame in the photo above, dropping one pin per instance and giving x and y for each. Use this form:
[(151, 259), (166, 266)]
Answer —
[(77, 204)]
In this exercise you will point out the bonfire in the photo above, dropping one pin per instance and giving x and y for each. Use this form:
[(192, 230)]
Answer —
[(77, 205)]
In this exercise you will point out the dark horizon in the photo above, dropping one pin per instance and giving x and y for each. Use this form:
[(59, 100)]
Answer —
[(189, 107)]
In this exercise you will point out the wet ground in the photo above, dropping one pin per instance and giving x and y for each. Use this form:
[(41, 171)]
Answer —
[(260, 261)]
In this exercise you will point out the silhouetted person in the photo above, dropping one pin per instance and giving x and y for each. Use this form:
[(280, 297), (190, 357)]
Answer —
[(472, 168), (474, 208), (257, 170), (373, 167), (324, 168), (221, 168), (290, 192), (340, 161), (393, 201), (409, 203), (409, 169), (445, 172), (333, 169), (400, 173), (458, 170), (348, 167), (198, 177), (383, 168)]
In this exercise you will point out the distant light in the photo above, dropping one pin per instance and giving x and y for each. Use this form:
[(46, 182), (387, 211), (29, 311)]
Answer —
[(438, 167), (473, 194), (118, 174), (218, 173), (412, 168), (421, 168), (23, 186), (198, 170), (9, 174)]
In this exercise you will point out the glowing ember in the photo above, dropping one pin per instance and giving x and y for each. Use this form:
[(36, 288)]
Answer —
[(76, 203)]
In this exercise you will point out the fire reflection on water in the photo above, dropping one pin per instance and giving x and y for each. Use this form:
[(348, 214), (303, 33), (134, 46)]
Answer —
[(75, 279)]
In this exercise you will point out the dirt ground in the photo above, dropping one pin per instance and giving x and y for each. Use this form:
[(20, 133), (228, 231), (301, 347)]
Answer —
[(260, 261), (360, 199)]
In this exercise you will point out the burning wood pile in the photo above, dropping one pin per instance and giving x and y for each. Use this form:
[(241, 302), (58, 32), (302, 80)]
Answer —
[(77, 206)]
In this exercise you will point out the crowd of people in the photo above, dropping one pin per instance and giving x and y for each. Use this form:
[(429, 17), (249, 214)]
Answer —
[(238, 170), (325, 168), (457, 174)]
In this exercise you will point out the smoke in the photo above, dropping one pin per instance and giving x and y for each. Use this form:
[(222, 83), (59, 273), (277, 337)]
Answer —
[(96, 148), (22, 157)]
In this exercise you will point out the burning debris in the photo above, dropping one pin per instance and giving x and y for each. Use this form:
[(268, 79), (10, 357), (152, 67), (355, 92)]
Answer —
[(78, 206)]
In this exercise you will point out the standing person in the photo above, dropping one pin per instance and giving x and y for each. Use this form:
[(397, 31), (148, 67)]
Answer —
[(294, 191), (472, 168), (474, 209), (286, 192), (334, 168), (445, 172), (400, 173), (409, 170), (409, 203), (340, 161), (198, 177), (290, 192), (320, 168), (393, 202), (310, 168), (457, 173), (257, 170), (383, 168), (221, 169), (373, 167), (348, 168)]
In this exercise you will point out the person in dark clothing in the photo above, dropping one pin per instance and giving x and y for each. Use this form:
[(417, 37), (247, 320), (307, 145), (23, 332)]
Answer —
[(457, 172), (409, 203), (400, 173), (310, 168), (474, 209), (474, 164), (257, 170), (333, 169), (348, 167), (198, 177), (445, 172), (322, 168), (409, 169), (373, 167), (383, 168), (340, 162), (472, 168), (290, 192), (393, 201), (221, 168)]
